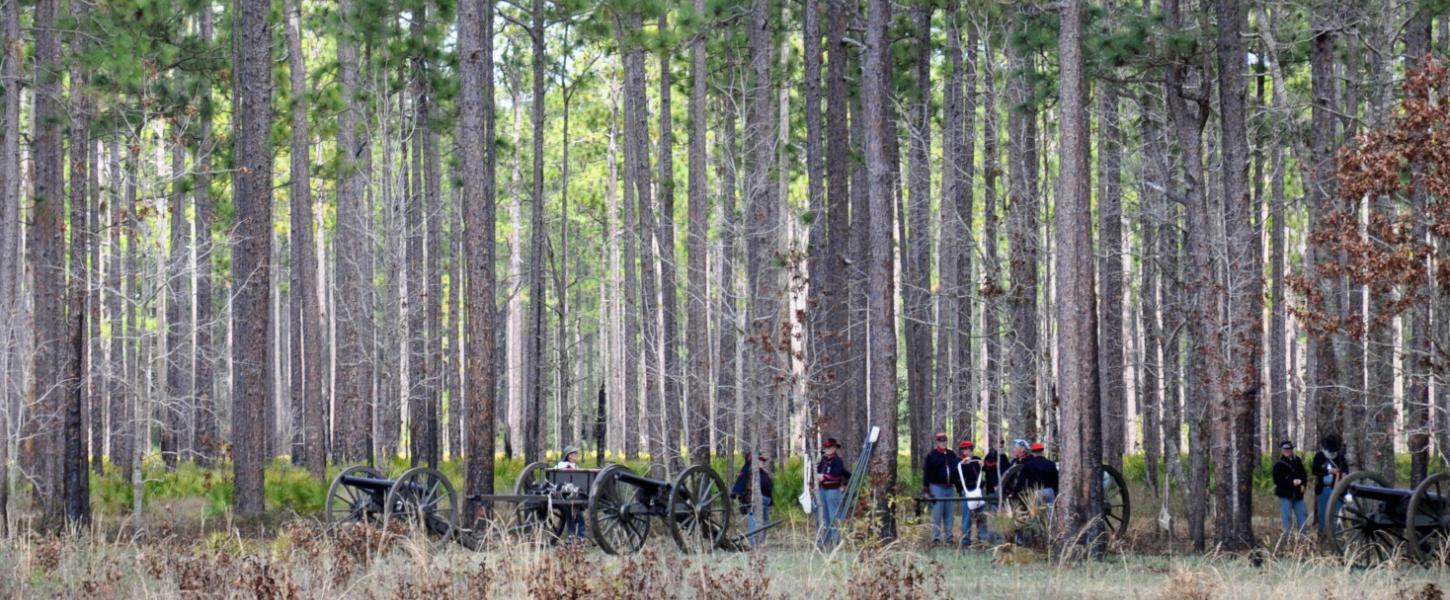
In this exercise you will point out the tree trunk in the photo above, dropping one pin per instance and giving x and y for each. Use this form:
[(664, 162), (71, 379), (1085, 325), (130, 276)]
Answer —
[(10, 253), (1080, 501), (1418, 328), (697, 338), (355, 273), (991, 286), (672, 422), (512, 348), (306, 315), (1022, 233), (390, 340), (1112, 357), (534, 343), (422, 286), (833, 350), (766, 377), (1326, 403), (178, 314), (1244, 287), (632, 321), (475, 126), (881, 350), (75, 473), (963, 399), (1152, 398), (636, 131), (47, 256), (1188, 120), (251, 270), (916, 263), (204, 419), (727, 390)]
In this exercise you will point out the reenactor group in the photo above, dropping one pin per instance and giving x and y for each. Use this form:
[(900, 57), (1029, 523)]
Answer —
[(964, 475)]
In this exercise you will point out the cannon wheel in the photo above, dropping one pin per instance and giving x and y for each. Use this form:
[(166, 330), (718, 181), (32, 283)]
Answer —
[(1117, 507), (1353, 533), (345, 503), (1427, 530), (615, 527), (424, 500), (531, 518), (699, 509)]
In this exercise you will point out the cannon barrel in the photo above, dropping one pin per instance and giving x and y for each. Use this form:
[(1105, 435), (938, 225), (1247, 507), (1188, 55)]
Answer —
[(366, 483), (1381, 493)]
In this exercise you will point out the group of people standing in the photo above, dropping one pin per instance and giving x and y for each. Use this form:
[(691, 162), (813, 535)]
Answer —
[(964, 478), (1291, 480)]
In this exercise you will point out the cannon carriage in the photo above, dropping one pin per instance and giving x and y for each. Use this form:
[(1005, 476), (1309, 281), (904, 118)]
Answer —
[(1370, 521), (421, 500), (616, 505)]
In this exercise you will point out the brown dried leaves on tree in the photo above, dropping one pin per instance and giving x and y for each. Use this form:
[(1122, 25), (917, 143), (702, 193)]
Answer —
[(1375, 245)]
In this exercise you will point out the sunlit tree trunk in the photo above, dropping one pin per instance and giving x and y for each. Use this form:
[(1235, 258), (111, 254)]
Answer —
[(475, 126), (251, 269)]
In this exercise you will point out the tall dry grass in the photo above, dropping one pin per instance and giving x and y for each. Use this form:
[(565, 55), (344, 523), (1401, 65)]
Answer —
[(300, 560)]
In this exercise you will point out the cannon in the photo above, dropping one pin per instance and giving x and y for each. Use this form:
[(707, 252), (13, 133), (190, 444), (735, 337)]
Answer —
[(1370, 521), (422, 500), (1033, 519), (618, 506)]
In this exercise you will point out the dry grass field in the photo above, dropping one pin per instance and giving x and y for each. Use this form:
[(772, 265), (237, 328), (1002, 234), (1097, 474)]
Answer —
[(297, 560)]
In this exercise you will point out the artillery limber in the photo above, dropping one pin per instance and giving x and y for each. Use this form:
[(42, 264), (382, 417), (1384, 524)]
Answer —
[(1371, 521), (617, 506), (421, 500)]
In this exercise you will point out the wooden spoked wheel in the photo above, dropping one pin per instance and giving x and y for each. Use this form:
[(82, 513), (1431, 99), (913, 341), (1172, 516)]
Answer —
[(1359, 528), (536, 517), (618, 520), (1117, 508), (699, 510), (424, 501), (348, 504), (1427, 526)]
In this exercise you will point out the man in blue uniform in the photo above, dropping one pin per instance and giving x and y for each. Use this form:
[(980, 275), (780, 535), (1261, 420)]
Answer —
[(939, 471), (831, 479)]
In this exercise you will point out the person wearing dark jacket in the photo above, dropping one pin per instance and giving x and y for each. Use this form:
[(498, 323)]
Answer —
[(1328, 467), (1289, 480), (971, 481), (831, 479), (992, 469), (938, 473), (1041, 473), (743, 494), (1035, 472)]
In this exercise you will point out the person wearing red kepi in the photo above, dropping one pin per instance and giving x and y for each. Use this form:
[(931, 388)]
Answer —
[(1037, 472), (831, 478), (970, 481), (939, 473)]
